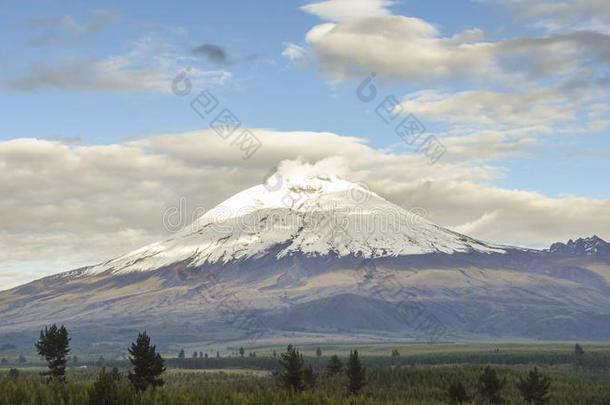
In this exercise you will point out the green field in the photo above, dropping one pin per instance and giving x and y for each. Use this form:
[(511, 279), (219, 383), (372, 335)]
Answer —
[(412, 385)]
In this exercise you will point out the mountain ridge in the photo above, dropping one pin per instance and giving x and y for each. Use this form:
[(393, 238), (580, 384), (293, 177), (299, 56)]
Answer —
[(591, 246)]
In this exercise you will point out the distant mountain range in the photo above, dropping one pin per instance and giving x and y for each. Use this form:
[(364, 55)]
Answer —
[(593, 246), (322, 258)]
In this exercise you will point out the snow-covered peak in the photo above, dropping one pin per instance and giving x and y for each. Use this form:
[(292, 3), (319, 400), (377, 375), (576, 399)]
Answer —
[(285, 192), (312, 216)]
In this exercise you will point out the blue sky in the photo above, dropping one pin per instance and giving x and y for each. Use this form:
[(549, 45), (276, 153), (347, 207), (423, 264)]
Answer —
[(517, 92), (266, 92), (258, 91)]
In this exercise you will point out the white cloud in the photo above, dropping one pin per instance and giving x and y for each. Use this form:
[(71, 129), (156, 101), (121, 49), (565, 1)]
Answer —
[(344, 10), (65, 30), (293, 52), (148, 67), (398, 47), (561, 15), (489, 145), (489, 108), (504, 93), (412, 50)]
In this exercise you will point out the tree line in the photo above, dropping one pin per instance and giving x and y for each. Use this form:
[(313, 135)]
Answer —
[(294, 375)]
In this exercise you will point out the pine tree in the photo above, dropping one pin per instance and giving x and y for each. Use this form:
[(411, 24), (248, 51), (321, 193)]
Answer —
[(54, 345), (147, 364), (309, 377), (101, 361), (319, 352), (22, 359), (334, 366), (217, 355), (3, 361), (490, 386), (75, 360), (292, 375), (578, 350), (457, 393), (194, 355), (355, 373), (104, 390), (535, 389), (395, 356), (241, 351), (181, 355)]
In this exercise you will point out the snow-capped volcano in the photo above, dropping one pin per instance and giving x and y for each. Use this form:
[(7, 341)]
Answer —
[(318, 216), (321, 256)]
